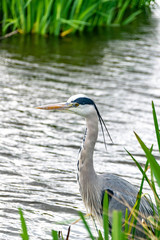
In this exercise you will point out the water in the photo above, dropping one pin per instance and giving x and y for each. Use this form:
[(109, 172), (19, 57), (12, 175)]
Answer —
[(120, 70)]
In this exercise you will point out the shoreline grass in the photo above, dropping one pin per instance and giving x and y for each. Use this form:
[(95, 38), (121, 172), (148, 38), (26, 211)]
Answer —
[(61, 17)]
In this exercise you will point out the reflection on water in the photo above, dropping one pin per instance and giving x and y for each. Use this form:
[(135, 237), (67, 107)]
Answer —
[(120, 70)]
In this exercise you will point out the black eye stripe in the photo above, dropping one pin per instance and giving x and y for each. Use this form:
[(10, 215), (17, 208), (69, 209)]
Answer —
[(83, 101)]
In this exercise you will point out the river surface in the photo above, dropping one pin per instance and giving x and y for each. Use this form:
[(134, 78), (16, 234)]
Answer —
[(120, 70)]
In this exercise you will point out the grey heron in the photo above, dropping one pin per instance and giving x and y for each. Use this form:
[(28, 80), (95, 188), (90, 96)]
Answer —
[(122, 194)]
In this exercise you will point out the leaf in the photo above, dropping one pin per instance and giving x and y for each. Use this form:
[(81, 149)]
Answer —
[(153, 221), (24, 233), (86, 225), (143, 173), (105, 216), (140, 168), (139, 195), (100, 235), (133, 217), (156, 125), (54, 235), (117, 225), (153, 163), (132, 17), (126, 221), (121, 12)]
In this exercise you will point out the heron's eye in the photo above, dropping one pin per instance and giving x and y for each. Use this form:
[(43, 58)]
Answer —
[(76, 104)]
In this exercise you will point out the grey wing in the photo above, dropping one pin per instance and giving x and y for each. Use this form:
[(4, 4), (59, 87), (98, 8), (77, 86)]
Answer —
[(123, 194)]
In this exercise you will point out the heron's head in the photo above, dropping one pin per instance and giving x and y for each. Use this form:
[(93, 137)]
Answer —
[(78, 104), (81, 105)]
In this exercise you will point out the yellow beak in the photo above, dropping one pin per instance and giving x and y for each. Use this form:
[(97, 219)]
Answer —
[(58, 106)]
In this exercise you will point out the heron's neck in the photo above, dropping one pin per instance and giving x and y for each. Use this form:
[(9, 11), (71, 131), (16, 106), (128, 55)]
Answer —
[(86, 154), (87, 177)]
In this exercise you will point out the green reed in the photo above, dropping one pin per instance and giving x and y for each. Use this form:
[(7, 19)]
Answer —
[(24, 234), (61, 17)]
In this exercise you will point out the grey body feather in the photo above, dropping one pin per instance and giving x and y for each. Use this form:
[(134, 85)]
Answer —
[(93, 186), (121, 193)]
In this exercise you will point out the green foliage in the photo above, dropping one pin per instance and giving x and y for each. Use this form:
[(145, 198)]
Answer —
[(105, 216), (138, 200), (156, 125), (24, 234), (117, 226), (117, 233), (86, 226), (61, 17), (54, 235), (154, 164)]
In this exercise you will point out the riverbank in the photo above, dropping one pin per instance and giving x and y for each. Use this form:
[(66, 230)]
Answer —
[(60, 18)]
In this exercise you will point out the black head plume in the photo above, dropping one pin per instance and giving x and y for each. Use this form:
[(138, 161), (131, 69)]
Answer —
[(87, 101), (103, 125)]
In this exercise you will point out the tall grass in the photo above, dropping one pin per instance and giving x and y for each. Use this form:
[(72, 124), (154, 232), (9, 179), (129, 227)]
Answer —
[(61, 17), (124, 229), (24, 234)]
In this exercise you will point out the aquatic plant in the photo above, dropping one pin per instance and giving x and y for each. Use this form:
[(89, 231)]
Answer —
[(24, 234), (61, 17)]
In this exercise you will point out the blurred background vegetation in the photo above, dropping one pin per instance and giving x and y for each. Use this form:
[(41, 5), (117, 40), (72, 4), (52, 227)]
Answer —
[(61, 17)]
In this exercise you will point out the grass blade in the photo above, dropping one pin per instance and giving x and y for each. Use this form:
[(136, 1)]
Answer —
[(121, 12), (132, 17), (24, 234), (154, 164), (138, 200), (86, 226), (156, 125), (117, 225), (54, 235), (105, 216), (143, 173), (154, 187), (126, 225), (100, 235)]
